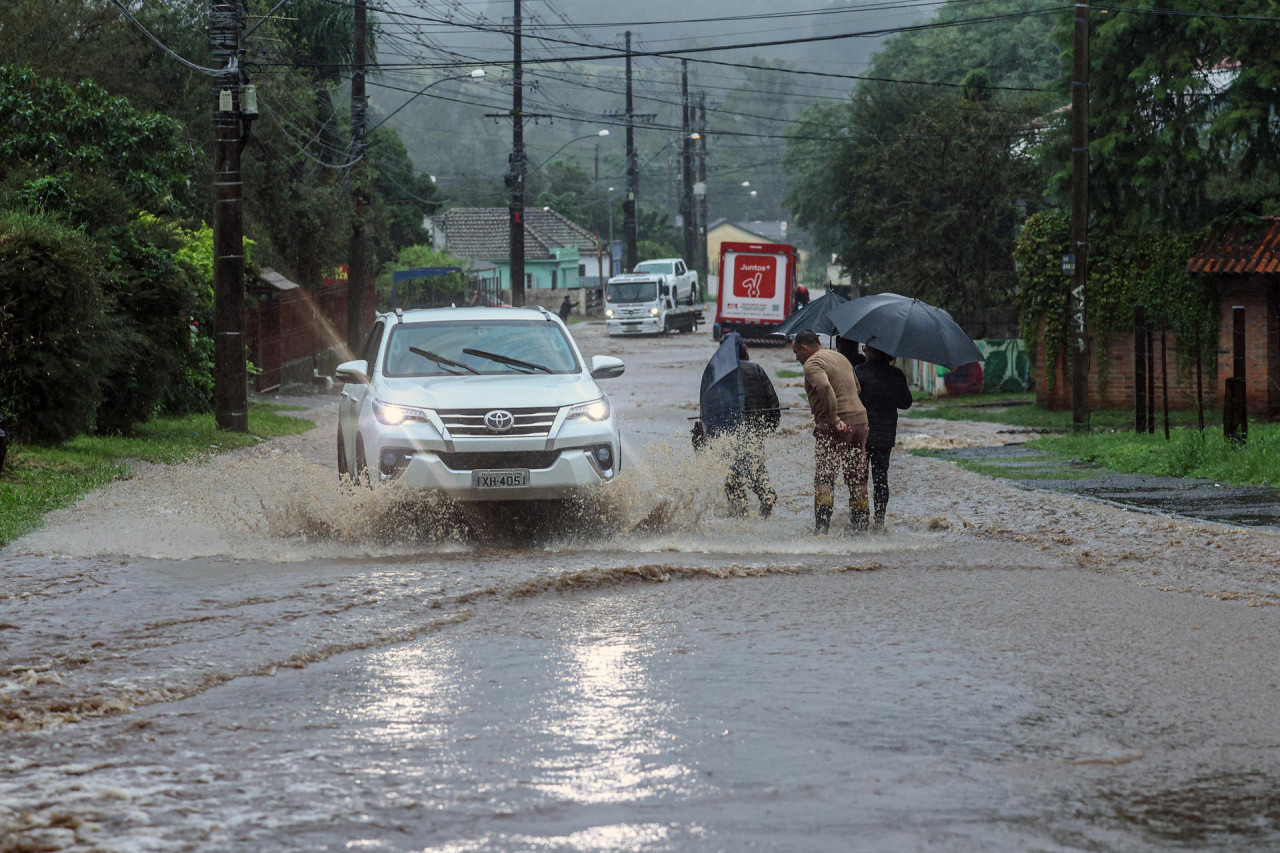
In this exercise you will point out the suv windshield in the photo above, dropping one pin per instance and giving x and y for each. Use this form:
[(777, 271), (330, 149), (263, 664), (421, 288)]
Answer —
[(468, 347), (664, 267), (633, 291)]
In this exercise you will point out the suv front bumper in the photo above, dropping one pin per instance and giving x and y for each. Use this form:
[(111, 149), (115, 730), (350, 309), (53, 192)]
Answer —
[(420, 459)]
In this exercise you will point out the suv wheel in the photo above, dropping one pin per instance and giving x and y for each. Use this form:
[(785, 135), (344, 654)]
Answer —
[(342, 456), (362, 468)]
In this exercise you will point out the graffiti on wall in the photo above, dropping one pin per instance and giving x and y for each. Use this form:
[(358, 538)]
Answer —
[(1006, 369)]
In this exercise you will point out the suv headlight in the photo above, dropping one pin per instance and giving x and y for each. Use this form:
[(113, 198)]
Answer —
[(596, 410), (394, 415)]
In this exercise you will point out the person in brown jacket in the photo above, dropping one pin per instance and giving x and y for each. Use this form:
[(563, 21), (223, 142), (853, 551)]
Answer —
[(840, 427)]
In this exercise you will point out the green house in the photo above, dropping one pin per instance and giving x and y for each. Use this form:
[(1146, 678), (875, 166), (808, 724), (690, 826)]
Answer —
[(558, 253)]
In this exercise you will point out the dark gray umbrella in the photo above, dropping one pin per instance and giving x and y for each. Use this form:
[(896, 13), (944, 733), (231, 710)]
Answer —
[(906, 328), (813, 317), (721, 396)]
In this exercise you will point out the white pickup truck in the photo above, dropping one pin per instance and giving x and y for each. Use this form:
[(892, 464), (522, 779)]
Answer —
[(682, 280)]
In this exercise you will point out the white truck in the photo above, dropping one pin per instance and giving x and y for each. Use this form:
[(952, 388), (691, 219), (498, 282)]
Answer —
[(683, 281), (644, 303)]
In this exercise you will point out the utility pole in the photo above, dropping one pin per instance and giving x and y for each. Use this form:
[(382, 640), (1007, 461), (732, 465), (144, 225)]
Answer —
[(629, 258), (1080, 218), (704, 263), (355, 249), (687, 216), (516, 176), (230, 375)]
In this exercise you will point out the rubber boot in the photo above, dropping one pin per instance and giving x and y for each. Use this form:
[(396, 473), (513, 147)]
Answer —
[(822, 508), (860, 515), (767, 502), (737, 496)]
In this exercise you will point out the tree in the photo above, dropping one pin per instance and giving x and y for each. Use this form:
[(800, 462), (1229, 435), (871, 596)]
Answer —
[(1182, 117), (919, 187), (930, 208), (421, 292), (52, 289)]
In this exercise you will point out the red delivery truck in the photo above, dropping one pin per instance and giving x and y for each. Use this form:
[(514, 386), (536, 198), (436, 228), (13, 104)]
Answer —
[(757, 288)]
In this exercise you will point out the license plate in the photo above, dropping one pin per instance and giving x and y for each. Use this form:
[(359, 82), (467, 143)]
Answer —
[(508, 478)]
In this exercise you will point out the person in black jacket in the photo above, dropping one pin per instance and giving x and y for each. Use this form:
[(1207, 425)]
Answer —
[(761, 417), (883, 391)]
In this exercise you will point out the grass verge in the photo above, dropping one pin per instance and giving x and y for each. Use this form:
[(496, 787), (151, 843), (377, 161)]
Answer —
[(37, 480), (1187, 453), (1020, 410)]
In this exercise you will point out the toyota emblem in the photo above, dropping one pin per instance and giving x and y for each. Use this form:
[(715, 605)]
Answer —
[(499, 421)]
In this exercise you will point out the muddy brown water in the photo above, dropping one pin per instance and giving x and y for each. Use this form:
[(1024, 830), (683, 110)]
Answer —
[(243, 655)]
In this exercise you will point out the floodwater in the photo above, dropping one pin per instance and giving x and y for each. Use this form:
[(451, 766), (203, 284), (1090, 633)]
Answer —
[(243, 655)]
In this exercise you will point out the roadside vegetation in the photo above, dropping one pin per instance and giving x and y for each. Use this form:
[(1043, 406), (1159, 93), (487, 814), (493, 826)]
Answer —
[(1020, 410), (1113, 444), (39, 479), (1187, 453)]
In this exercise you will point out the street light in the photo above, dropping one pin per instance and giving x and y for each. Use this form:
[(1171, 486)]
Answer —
[(570, 142), (476, 74)]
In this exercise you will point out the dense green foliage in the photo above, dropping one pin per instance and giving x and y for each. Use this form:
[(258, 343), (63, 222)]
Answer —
[(99, 297), (1125, 270), (53, 288), (920, 188), (1182, 116), (106, 143), (37, 480)]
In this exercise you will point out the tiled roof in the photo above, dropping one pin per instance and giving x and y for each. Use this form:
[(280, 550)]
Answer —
[(484, 233), (1243, 248)]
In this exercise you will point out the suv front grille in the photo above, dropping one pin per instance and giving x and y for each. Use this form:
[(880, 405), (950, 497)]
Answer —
[(469, 423), (535, 459)]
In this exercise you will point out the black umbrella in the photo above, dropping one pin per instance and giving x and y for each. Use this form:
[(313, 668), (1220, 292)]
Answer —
[(906, 328), (721, 397), (813, 317)]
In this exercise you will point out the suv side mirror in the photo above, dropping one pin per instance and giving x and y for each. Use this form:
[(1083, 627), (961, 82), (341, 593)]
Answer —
[(353, 372), (606, 367)]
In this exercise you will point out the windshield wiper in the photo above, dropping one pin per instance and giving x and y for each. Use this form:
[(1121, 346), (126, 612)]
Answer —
[(506, 359), (442, 361)]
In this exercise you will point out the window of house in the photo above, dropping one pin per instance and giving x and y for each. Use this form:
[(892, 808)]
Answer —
[(553, 279), (582, 270)]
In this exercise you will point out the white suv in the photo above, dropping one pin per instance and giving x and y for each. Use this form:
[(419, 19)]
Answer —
[(479, 403)]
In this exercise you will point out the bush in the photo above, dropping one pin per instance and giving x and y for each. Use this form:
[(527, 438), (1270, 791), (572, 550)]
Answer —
[(63, 339)]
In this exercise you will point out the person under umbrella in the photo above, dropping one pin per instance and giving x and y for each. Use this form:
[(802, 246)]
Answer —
[(883, 390), (840, 428), (736, 399), (761, 415)]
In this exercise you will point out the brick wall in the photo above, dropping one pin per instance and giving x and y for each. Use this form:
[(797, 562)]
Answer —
[(293, 333), (1260, 298), (1115, 363)]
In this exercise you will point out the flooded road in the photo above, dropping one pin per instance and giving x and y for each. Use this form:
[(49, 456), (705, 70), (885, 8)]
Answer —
[(243, 656)]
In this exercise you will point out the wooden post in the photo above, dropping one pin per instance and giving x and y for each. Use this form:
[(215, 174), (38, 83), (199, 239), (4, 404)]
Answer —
[(1199, 383), (1151, 382), (1139, 368), (1235, 412), (1164, 373)]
